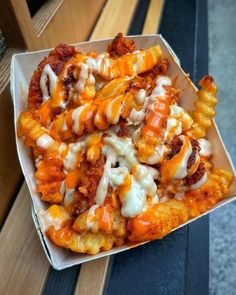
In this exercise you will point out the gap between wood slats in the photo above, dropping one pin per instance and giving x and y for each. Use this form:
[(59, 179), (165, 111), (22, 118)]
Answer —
[(93, 274), (44, 15), (5, 63), (153, 17), (115, 18)]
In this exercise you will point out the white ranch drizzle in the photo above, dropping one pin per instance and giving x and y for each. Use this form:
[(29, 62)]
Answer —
[(47, 74), (200, 182), (206, 149), (121, 150), (45, 142)]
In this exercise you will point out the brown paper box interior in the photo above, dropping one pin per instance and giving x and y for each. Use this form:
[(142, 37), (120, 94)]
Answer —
[(22, 68)]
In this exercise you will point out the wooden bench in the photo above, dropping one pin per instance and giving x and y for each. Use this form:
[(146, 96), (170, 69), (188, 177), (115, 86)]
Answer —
[(24, 268)]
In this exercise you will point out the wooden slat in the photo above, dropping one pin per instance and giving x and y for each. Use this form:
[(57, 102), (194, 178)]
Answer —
[(92, 277), (72, 22), (5, 67), (115, 18), (153, 17), (23, 266), (10, 172), (44, 15)]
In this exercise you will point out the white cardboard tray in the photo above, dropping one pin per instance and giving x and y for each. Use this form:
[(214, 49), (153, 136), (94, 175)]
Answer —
[(22, 67)]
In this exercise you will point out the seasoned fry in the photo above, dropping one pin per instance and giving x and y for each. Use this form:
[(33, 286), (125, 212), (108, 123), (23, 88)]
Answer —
[(117, 158), (158, 221), (57, 225), (205, 106), (104, 219), (89, 243), (200, 200)]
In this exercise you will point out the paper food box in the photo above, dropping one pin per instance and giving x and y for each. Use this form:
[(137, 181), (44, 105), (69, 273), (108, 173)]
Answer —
[(22, 67)]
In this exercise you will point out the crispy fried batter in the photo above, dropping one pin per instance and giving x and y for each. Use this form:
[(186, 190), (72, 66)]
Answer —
[(91, 180), (49, 177), (121, 46), (57, 58)]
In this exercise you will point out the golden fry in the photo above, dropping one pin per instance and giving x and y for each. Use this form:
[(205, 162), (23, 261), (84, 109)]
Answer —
[(158, 221), (205, 106)]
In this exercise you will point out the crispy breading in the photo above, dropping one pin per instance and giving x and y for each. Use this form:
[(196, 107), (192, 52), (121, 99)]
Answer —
[(57, 59), (49, 177), (120, 46)]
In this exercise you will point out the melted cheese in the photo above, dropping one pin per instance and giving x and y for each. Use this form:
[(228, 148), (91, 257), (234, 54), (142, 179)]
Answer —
[(71, 154), (54, 216), (122, 150), (137, 117), (134, 200), (76, 116), (160, 90), (47, 74), (91, 216), (117, 176)]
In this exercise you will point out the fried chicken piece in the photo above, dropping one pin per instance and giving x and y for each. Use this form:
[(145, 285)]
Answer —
[(49, 177), (121, 46), (57, 59)]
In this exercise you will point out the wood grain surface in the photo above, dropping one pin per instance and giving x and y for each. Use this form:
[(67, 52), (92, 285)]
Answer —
[(24, 265), (153, 17), (115, 18)]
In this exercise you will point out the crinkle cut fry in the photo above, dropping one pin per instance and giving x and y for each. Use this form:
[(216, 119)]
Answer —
[(57, 225), (29, 128), (157, 221), (90, 243), (102, 220), (205, 106), (124, 65), (161, 219), (200, 200)]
